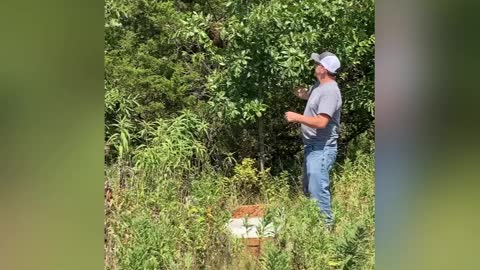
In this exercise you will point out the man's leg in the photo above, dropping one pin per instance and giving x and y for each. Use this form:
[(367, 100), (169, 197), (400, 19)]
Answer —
[(319, 163)]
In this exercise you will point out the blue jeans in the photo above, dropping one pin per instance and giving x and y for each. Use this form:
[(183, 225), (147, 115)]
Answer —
[(318, 162)]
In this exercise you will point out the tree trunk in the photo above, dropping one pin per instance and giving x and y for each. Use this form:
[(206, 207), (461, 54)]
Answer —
[(261, 143), (261, 135)]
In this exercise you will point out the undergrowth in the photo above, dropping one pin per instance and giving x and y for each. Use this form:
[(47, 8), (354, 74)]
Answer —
[(180, 223)]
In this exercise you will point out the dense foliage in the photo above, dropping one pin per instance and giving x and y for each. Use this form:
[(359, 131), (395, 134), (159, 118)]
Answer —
[(195, 96)]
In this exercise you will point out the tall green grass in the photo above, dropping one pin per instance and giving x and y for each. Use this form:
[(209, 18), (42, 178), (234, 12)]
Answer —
[(178, 220)]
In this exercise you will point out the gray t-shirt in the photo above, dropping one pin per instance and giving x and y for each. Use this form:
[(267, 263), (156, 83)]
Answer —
[(323, 98)]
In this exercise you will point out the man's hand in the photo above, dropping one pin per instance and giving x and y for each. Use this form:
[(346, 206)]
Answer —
[(292, 116), (318, 121)]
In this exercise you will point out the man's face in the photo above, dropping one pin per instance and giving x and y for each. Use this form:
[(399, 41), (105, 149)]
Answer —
[(319, 70)]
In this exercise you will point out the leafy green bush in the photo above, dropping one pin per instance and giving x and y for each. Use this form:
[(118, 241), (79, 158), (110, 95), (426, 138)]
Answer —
[(172, 146), (275, 258), (249, 185), (167, 54)]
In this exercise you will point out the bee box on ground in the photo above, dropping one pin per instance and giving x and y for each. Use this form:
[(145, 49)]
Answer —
[(247, 223)]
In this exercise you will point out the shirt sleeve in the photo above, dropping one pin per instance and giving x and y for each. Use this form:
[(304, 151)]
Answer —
[(327, 103)]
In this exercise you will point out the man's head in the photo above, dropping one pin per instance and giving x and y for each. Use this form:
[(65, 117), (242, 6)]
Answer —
[(326, 64)]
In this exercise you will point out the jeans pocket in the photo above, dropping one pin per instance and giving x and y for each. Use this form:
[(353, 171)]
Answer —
[(328, 159)]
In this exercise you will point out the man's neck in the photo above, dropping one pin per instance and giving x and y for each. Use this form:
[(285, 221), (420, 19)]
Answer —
[(326, 79)]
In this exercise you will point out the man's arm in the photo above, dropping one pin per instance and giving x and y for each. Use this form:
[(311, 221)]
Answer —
[(319, 121)]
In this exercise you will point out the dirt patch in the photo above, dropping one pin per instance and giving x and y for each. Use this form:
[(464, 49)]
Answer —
[(256, 210)]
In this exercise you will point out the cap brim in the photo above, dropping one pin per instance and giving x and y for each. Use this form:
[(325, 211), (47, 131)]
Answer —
[(315, 57)]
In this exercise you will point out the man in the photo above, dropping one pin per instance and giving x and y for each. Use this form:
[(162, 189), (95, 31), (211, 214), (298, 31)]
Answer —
[(319, 125)]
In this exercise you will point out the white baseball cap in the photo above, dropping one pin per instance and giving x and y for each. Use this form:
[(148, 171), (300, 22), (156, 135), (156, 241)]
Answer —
[(328, 60)]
